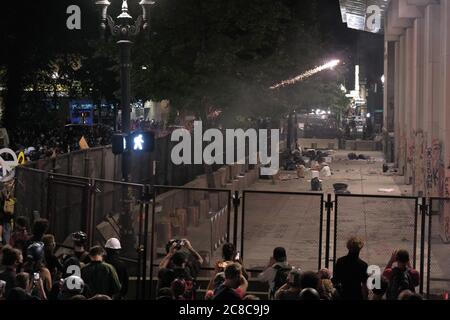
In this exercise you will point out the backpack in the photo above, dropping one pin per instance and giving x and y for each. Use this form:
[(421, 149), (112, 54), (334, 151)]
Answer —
[(401, 280), (281, 278), (316, 185)]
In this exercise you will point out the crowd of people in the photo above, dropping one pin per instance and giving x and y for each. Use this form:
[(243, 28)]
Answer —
[(178, 271), (39, 144), (31, 270)]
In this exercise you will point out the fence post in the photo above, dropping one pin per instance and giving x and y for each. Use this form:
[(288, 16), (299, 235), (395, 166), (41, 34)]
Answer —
[(236, 203), (423, 212), (430, 221), (329, 207), (143, 240), (152, 239)]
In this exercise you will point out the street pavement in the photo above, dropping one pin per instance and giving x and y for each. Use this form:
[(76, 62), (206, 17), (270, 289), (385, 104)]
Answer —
[(293, 221)]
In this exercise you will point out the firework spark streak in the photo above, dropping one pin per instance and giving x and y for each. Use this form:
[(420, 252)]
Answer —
[(306, 74)]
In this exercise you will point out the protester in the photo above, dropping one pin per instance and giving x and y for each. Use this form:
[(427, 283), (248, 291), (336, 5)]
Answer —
[(79, 242), (100, 276), (291, 290), (401, 277), (51, 261), (276, 271), (40, 227), (235, 285), (35, 266), (33, 289), (350, 274), (11, 260), (113, 248), (20, 236)]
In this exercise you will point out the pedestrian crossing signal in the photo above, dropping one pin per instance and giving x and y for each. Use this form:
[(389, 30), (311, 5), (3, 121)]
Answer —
[(135, 142)]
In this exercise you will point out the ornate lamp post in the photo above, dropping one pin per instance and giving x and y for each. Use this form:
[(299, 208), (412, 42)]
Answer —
[(124, 30)]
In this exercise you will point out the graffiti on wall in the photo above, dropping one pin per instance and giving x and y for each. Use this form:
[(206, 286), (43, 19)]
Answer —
[(418, 163), (434, 179)]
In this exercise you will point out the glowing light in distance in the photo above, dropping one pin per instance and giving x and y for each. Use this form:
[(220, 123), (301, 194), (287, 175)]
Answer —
[(329, 65)]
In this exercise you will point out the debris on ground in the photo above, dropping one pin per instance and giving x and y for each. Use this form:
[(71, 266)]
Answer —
[(386, 190)]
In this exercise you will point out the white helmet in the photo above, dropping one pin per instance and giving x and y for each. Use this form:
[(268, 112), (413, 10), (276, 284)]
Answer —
[(113, 243)]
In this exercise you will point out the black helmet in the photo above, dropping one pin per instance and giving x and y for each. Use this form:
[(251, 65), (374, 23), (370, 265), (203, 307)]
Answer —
[(35, 251), (79, 237)]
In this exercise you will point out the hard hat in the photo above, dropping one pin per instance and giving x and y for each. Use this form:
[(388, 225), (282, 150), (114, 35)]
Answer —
[(113, 243)]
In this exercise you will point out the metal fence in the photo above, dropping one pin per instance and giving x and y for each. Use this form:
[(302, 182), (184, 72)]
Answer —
[(438, 249), (385, 223), (262, 221), (101, 163), (287, 219)]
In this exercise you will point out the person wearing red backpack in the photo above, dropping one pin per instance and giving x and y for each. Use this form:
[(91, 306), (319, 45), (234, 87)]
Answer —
[(402, 277)]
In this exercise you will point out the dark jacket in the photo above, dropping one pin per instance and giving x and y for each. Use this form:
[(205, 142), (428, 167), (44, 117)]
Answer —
[(121, 270), (101, 278)]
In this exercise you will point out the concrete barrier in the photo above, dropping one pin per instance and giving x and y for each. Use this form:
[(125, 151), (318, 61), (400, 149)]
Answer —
[(204, 208), (193, 216)]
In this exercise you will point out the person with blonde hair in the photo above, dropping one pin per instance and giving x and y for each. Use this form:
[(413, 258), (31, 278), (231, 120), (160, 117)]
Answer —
[(350, 273)]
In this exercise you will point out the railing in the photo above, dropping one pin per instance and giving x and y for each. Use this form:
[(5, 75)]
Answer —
[(255, 221)]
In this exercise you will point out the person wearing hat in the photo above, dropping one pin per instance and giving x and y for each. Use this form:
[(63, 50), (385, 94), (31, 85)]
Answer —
[(113, 248), (350, 273), (79, 242), (35, 266)]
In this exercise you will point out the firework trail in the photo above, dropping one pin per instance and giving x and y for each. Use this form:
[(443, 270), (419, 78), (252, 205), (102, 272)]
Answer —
[(306, 74)]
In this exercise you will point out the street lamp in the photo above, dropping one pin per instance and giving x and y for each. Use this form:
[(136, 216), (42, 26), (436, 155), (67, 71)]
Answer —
[(124, 30)]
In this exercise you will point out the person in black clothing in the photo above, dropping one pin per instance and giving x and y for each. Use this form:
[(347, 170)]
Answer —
[(113, 248), (350, 274), (11, 259), (51, 261), (40, 227), (177, 269), (235, 285), (79, 242)]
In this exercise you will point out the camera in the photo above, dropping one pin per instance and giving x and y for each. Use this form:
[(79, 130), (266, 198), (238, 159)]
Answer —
[(36, 276), (178, 244)]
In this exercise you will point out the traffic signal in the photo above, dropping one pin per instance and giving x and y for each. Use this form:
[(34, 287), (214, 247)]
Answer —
[(141, 141), (119, 143), (135, 142)]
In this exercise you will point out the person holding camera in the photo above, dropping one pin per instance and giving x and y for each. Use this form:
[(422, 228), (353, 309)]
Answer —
[(229, 256), (27, 288), (176, 265), (402, 277)]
